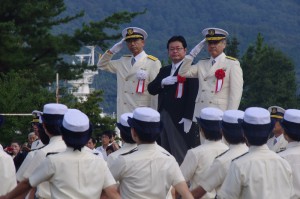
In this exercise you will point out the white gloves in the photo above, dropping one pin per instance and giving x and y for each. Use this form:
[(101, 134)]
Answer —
[(194, 52), (117, 47), (170, 80), (186, 124)]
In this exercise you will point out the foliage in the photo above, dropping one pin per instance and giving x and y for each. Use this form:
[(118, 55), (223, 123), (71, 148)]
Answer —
[(269, 77)]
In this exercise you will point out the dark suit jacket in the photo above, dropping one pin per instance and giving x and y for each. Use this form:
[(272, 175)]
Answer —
[(178, 108)]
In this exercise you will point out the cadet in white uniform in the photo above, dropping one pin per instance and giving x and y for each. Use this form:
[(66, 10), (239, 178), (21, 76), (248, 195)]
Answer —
[(198, 160), (7, 173), (277, 142), (233, 134), (147, 172), (220, 76), (75, 172), (134, 72), (260, 173), (291, 125), (52, 118), (128, 143)]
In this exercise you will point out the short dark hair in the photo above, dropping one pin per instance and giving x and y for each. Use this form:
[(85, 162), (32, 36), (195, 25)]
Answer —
[(213, 135), (177, 38), (255, 140), (146, 137), (108, 133), (53, 129)]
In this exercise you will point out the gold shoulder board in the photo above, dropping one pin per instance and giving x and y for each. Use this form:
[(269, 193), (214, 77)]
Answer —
[(205, 58), (127, 55), (152, 57), (232, 58)]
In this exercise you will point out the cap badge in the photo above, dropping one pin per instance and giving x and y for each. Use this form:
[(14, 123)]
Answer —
[(130, 31), (274, 110), (211, 32)]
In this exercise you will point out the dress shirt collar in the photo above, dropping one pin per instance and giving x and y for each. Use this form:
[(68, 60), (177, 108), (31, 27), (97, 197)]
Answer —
[(218, 58), (140, 56)]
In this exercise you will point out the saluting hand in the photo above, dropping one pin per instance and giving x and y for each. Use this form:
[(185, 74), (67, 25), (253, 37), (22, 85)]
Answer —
[(194, 52), (117, 47)]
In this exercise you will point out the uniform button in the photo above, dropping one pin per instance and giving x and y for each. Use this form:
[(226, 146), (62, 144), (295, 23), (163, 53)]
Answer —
[(125, 103), (212, 91), (210, 102), (205, 79), (133, 81), (203, 90), (202, 101), (125, 91), (132, 93)]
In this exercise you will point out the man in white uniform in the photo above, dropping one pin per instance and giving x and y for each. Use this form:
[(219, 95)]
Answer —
[(220, 76), (291, 125), (134, 72), (147, 172), (52, 118), (260, 173), (277, 142), (233, 135), (198, 160)]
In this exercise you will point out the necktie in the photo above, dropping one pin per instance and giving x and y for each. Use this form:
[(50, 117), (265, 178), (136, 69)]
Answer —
[(275, 141), (213, 62), (132, 61)]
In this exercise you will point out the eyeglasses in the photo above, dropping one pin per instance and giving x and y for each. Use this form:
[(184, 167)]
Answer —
[(175, 49)]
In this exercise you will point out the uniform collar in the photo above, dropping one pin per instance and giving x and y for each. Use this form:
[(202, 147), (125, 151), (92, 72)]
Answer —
[(222, 55), (140, 56), (146, 147), (55, 138), (258, 148), (293, 144)]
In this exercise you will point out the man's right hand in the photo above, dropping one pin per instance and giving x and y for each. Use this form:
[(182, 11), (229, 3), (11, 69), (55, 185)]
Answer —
[(117, 47), (170, 80), (194, 52)]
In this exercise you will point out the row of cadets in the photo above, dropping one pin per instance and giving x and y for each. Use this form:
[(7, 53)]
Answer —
[(74, 172), (199, 159)]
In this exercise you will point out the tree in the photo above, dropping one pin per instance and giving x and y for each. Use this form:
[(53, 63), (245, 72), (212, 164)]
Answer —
[(269, 77), (28, 39), (232, 48)]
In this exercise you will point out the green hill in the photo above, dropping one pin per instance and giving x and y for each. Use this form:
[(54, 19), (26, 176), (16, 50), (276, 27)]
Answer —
[(278, 21)]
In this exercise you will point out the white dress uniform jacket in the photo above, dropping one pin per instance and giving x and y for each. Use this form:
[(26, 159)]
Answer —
[(74, 174), (280, 144), (198, 160), (229, 97), (7, 173), (146, 173), (127, 97), (56, 145), (292, 155), (126, 147), (261, 173), (216, 174)]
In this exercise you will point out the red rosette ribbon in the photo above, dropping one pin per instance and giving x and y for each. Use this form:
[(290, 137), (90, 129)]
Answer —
[(220, 74), (180, 86)]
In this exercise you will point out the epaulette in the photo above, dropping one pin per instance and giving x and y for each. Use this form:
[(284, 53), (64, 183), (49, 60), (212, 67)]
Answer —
[(96, 153), (281, 149), (37, 148), (129, 152), (127, 55), (165, 153), (221, 154), (205, 58), (51, 153), (152, 57), (232, 58), (239, 156)]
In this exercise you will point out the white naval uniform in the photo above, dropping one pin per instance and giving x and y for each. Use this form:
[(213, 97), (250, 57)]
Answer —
[(36, 144), (7, 173), (73, 174), (261, 173), (216, 174), (146, 173), (292, 155), (101, 150), (127, 97), (126, 147), (56, 145), (280, 144), (229, 97), (198, 160), (25, 164)]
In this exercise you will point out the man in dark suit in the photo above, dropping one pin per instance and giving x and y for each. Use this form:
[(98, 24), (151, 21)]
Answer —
[(176, 102)]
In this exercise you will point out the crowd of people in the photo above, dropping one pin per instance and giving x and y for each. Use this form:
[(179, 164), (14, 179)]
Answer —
[(182, 135)]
